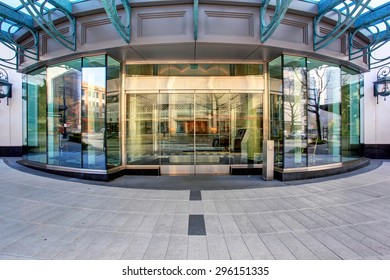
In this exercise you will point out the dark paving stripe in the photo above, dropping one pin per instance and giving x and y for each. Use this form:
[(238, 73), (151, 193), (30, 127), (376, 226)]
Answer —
[(195, 195), (196, 225)]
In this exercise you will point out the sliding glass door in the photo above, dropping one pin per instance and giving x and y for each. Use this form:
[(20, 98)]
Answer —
[(193, 131)]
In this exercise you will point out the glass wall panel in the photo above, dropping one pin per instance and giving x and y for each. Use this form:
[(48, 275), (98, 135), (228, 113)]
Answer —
[(324, 107), (276, 108), (177, 117), (36, 116), (93, 112), (143, 128), (350, 114), (295, 112), (113, 134), (212, 123), (64, 114), (246, 128)]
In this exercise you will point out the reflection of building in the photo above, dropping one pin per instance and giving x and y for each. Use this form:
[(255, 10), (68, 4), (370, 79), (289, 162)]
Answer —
[(189, 98), (66, 96), (93, 104)]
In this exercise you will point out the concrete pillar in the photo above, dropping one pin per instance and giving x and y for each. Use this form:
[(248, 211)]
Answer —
[(268, 160)]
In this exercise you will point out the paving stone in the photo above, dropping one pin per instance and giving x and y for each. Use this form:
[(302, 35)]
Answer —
[(302, 219), (318, 249), (317, 218), (276, 247), (228, 224), (78, 245), (237, 248), (213, 224), (275, 223), (132, 223), (137, 247), (257, 247), (244, 224), (329, 216), (222, 207), (148, 223), (196, 225), (196, 207), (115, 250), (164, 224), (180, 225), (351, 243), (260, 224), (157, 248), (95, 250), (235, 206), (338, 248), (209, 207), (177, 248), (289, 221), (197, 248), (217, 248), (300, 251), (365, 240)]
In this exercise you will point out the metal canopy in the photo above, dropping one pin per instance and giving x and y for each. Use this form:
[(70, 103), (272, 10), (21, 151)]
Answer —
[(196, 19), (44, 15), (266, 30), (11, 23), (376, 25), (124, 30), (368, 17), (346, 14)]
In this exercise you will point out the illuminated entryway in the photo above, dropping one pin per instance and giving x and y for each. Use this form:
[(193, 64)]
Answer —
[(189, 126)]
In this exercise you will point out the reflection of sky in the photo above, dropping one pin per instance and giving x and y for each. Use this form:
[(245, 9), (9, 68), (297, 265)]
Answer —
[(94, 76)]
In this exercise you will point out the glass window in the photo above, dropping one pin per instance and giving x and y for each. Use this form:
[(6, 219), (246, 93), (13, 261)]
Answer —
[(350, 112), (143, 128), (36, 116), (63, 114), (113, 134), (194, 70), (93, 112), (324, 107), (295, 113), (246, 127), (276, 108)]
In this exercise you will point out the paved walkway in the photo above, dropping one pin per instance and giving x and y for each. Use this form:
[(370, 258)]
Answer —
[(337, 218)]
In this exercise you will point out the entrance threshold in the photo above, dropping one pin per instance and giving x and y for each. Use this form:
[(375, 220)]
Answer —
[(194, 169)]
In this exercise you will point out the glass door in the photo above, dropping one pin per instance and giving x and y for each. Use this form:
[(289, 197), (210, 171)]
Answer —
[(194, 131), (177, 130), (211, 128)]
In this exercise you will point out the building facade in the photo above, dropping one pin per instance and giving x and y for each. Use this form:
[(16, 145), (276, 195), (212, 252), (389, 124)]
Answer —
[(196, 87)]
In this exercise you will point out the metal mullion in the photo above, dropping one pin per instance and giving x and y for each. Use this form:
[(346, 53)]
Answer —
[(82, 94), (105, 147), (283, 122), (194, 133)]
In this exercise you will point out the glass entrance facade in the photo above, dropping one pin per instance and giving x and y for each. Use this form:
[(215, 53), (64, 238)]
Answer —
[(194, 128), (191, 119), (85, 114), (314, 112)]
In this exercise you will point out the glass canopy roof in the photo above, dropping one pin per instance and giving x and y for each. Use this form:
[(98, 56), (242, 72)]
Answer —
[(17, 6), (372, 6)]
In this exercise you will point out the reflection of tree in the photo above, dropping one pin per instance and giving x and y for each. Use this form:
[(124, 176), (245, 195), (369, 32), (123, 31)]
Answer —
[(294, 109), (217, 98), (350, 102), (319, 81)]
